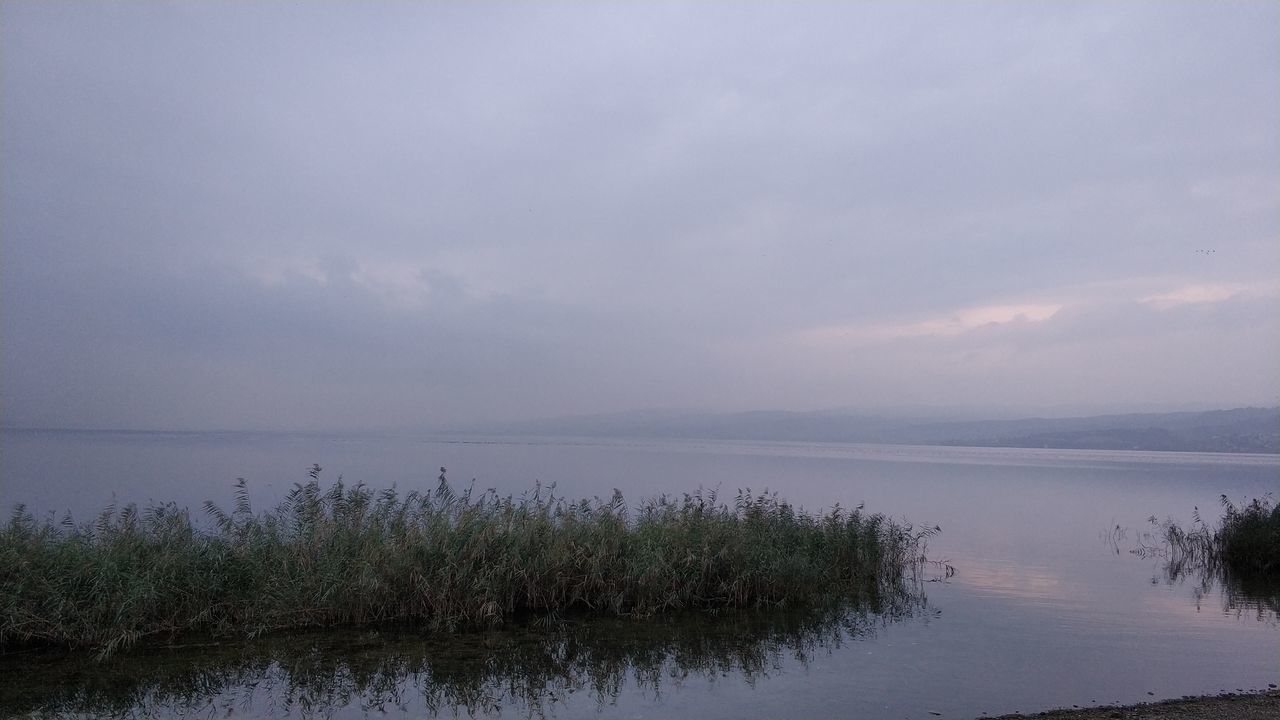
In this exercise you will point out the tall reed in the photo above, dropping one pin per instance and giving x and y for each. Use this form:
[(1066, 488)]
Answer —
[(444, 559), (1241, 555), (1245, 543)]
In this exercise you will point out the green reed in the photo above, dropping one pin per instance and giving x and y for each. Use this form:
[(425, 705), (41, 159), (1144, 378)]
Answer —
[(1245, 543), (1241, 555), (348, 555), (1249, 536)]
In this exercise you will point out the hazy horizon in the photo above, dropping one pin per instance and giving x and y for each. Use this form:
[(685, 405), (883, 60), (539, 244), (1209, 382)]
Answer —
[(404, 216), (892, 416)]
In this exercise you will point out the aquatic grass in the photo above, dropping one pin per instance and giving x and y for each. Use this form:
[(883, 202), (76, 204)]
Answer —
[(445, 560), (1249, 538), (1246, 541), (1241, 553)]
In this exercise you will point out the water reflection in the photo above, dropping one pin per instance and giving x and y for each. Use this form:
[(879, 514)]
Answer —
[(1014, 580), (1239, 594), (533, 670)]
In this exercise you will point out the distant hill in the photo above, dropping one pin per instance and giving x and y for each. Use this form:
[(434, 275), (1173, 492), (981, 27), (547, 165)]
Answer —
[(1240, 430), (1255, 430)]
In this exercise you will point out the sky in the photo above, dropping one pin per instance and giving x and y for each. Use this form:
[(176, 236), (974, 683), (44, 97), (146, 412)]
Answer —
[(396, 215)]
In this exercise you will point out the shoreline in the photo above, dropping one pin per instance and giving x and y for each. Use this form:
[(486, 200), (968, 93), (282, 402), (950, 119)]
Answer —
[(1263, 705)]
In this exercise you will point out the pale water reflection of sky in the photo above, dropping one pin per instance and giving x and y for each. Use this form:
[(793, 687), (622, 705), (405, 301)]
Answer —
[(402, 215)]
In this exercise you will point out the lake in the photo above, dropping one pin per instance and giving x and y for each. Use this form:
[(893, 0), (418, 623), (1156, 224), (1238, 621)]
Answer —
[(1035, 600)]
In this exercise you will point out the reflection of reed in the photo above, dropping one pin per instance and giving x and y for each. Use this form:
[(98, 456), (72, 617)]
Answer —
[(530, 669), (1241, 594), (1225, 558)]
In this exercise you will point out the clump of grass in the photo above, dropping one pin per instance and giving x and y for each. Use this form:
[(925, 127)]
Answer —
[(1249, 538), (347, 555), (1242, 554), (1246, 541)]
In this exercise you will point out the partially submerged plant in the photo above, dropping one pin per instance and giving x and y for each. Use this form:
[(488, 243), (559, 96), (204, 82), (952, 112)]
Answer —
[(1242, 553), (1249, 537), (347, 555)]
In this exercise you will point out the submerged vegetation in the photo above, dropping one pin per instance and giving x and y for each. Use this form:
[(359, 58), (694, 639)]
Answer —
[(1242, 553), (347, 555)]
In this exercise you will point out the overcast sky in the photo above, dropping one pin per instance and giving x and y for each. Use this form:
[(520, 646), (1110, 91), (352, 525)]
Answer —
[(399, 215)]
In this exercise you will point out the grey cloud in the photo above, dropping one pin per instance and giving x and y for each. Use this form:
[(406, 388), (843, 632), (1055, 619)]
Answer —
[(594, 207)]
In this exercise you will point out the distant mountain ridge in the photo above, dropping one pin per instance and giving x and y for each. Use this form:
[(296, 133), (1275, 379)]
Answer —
[(1250, 429)]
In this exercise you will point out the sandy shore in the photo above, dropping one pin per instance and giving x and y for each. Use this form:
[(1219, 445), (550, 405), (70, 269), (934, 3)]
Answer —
[(1252, 706)]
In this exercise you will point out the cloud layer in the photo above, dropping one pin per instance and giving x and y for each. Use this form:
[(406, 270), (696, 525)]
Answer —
[(402, 215)]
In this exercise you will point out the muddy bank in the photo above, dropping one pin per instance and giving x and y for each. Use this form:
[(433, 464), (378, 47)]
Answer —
[(1259, 706)]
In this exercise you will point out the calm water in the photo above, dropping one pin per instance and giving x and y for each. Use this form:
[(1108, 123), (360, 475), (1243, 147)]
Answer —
[(1041, 611)]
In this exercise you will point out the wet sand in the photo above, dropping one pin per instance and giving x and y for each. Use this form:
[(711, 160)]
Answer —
[(1249, 706)]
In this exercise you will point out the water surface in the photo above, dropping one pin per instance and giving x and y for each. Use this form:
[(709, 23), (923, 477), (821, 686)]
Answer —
[(1046, 606)]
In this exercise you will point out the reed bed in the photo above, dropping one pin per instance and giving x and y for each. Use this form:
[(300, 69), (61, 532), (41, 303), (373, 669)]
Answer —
[(1241, 555), (1245, 544), (1250, 538), (446, 560)]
